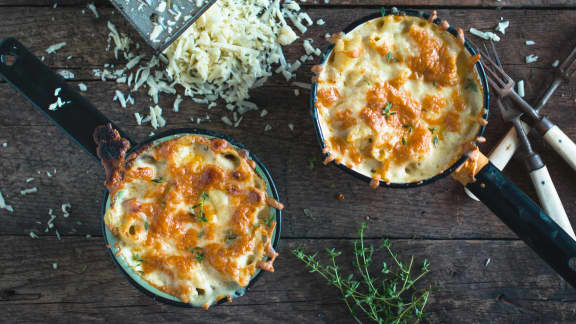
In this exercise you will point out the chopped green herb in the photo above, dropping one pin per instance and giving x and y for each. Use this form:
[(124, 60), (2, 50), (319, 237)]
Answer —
[(435, 140), (408, 127), (431, 129), (268, 221), (198, 255), (146, 225), (387, 111), (312, 162), (470, 84), (204, 196), (137, 258), (403, 141), (388, 56), (200, 234), (434, 83), (231, 236), (159, 180), (383, 11)]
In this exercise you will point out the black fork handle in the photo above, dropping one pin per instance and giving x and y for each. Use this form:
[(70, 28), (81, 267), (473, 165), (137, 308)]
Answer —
[(37, 83)]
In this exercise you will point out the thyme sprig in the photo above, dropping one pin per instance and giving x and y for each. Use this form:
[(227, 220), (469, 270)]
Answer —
[(387, 298)]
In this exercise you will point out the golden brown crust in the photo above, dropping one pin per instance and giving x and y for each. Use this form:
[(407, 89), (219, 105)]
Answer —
[(111, 150), (274, 203), (269, 264), (466, 173)]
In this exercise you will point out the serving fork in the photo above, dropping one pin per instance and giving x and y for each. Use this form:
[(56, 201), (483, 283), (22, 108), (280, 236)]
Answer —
[(538, 171), (503, 85)]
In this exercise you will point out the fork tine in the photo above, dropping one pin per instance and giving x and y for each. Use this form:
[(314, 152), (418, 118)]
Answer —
[(495, 54), (568, 67)]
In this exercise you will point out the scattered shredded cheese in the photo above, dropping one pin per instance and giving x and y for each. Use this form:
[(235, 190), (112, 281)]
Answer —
[(33, 235), (65, 209), (501, 27), (54, 48), (28, 191), (531, 58), (556, 63), (4, 205), (55, 266), (92, 8), (484, 35), (83, 87), (529, 43)]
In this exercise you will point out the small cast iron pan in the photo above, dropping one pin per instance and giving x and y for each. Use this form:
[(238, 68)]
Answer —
[(79, 119), (498, 193)]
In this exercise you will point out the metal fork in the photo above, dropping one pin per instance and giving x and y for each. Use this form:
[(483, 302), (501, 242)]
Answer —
[(503, 85), (538, 171)]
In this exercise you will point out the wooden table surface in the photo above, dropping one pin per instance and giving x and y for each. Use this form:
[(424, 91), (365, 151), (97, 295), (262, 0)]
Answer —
[(437, 221)]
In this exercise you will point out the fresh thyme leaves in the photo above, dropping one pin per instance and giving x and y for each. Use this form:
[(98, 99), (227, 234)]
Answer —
[(200, 216), (434, 83), (403, 141), (388, 56), (137, 258), (198, 255), (387, 111), (431, 129), (159, 180), (435, 140), (383, 11), (146, 225), (312, 162), (388, 298), (200, 234), (231, 236), (470, 84)]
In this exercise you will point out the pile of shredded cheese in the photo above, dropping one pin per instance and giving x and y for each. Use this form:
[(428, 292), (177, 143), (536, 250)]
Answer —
[(229, 50)]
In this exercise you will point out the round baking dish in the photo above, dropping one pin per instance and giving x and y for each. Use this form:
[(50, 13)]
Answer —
[(135, 279), (316, 118)]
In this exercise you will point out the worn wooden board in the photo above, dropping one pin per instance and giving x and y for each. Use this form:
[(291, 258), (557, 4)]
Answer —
[(331, 3), (87, 287)]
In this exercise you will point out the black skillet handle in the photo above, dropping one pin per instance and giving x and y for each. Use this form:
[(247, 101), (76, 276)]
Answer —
[(38, 84), (527, 220)]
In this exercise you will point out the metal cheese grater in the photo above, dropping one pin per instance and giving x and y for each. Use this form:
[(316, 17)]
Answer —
[(160, 22)]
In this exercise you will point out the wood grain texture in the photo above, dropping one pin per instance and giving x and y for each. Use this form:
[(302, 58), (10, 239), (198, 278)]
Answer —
[(35, 145), (331, 3), (87, 287)]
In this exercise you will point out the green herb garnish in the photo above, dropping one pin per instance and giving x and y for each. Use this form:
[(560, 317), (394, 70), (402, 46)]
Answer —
[(431, 129), (470, 84), (308, 213), (387, 296), (198, 255), (408, 127), (403, 141), (383, 11), (434, 83), (137, 258), (159, 180), (387, 111), (146, 225), (268, 221), (435, 140), (200, 234), (201, 216), (231, 236), (388, 56), (312, 162)]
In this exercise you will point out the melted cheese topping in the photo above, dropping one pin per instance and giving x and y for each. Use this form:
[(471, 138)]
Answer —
[(399, 99), (193, 218)]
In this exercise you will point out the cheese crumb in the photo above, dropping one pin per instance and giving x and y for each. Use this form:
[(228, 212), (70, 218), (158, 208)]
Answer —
[(291, 126), (529, 43), (92, 8), (501, 27), (29, 179), (65, 209), (54, 48), (4, 205), (484, 35), (556, 63), (28, 191), (33, 235), (54, 266), (83, 87), (320, 22), (531, 58), (267, 128)]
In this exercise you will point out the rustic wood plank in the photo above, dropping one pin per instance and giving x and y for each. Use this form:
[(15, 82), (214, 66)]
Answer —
[(87, 287), (34, 146), (86, 36), (359, 3)]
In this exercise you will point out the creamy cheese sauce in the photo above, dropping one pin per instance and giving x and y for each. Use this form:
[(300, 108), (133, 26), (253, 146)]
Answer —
[(193, 219), (399, 99)]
